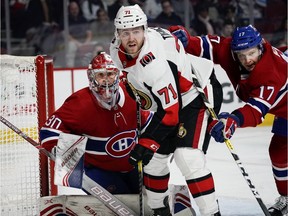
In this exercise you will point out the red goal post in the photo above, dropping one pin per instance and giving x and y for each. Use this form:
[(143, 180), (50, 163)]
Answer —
[(27, 99)]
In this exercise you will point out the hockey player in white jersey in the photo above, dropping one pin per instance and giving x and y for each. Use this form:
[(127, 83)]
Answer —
[(160, 71)]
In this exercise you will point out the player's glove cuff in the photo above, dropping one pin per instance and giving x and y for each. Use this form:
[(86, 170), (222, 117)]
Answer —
[(149, 143)]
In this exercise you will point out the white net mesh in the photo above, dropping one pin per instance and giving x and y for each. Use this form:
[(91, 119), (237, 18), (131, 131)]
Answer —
[(19, 173)]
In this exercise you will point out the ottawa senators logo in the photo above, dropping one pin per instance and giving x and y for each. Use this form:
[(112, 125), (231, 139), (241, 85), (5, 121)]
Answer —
[(149, 57), (146, 101), (181, 131)]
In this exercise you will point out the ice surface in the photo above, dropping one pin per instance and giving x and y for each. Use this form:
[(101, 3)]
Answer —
[(233, 192)]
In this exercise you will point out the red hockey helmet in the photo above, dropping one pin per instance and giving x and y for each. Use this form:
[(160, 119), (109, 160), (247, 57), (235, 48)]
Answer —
[(103, 78)]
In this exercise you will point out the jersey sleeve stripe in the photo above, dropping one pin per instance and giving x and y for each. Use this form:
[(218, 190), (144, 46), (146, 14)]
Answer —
[(206, 48), (260, 105)]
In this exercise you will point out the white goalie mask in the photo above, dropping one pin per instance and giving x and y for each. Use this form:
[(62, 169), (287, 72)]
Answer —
[(130, 17), (104, 80)]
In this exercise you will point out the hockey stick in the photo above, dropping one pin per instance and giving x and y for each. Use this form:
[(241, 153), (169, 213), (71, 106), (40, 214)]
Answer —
[(229, 144), (140, 165), (88, 184)]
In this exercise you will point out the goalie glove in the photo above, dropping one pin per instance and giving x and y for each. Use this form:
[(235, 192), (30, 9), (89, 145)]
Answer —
[(224, 127), (144, 151), (181, 33)]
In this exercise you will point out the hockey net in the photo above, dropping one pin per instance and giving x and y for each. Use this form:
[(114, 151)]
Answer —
[(26, 88)]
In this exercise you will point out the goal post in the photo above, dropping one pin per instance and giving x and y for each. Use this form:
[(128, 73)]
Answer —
[(27, 99)]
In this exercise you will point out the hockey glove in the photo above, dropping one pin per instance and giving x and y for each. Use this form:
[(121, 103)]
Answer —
[(143, 151), (181, 33), (224, 127)]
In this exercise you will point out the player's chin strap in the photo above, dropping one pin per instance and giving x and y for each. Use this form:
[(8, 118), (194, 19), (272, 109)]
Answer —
[(130, 55), (140, 165), (88, 184), (228, 143)]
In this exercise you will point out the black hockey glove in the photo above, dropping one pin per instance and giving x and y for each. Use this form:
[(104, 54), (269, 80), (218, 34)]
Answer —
[(143, 151), (140, 153)]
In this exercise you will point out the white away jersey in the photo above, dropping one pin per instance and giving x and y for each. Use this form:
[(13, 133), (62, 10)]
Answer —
[(161, 62)]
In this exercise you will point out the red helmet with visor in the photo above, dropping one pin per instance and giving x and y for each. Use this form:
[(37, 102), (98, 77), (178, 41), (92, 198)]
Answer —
[(103, 78)]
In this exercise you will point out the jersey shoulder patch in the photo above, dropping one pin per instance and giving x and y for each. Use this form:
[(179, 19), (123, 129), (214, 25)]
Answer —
[(146, 59)]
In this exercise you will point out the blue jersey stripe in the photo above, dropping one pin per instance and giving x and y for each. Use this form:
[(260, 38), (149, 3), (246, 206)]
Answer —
[(206, 48), (264, 109)]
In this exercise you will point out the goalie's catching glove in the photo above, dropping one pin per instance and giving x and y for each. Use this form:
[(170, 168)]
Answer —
[(224, 127), (181, 33), (144, 151)]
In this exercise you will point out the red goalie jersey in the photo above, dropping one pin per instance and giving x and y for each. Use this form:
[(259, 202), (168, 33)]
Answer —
[(264, 89), (111, 133)]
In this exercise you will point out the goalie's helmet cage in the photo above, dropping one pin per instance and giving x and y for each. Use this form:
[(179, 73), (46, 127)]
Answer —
[(245, 37), (103, 78), (130, 17)]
